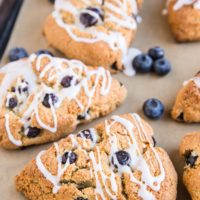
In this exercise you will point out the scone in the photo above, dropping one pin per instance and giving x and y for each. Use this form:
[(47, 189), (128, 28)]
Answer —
[(115, 160), (190, 150), (187, 104), (96, 32), (42, 98), (184, 19)]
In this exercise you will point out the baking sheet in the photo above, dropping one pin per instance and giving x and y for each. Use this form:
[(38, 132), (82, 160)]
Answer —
[(153, 31)]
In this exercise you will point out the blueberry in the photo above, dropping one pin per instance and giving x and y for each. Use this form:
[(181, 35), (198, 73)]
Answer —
[(69, 155), (190, 158), (162, 67), (153, 108), (81, 198), (17, 53), (12, 103), (123, 157), (156, 53), (66, 81), (47, 97), (142, 63), (89, 20), (33, 132), (85, 134), (43, 51)]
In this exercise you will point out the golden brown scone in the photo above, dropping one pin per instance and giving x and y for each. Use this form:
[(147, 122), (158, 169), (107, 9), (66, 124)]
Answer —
[(184, 19), (42, 98), (187, 104), (96, 32), (190, 150), (115, 160)]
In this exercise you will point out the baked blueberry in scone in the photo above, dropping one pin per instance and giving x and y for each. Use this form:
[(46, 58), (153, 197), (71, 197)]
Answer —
[(115, 160), (97, 32), (184, 19), (42, 98), (190, 151), (187, 103)]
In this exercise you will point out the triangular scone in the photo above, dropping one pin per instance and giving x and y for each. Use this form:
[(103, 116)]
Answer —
[(115, 160), (102, 44), (190, 150), (183, 17), (42, 98), (187, 104)]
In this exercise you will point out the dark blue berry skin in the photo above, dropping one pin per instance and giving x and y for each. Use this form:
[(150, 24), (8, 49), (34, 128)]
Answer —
[(161, 67), (143, 63), (88, 20), (43, 51), (33, 132), (12, 103), (17, 53), (85, 134), (190, 159), (156, 53), (153, 108), (66, 81), (81, 198), (69, 155), (46, 100), (123, 157)]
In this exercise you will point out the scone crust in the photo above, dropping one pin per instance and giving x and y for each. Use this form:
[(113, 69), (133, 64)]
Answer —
[(95, 54), (187, 106), (184, 22), (67, 114), (33, 184), (191, 175)]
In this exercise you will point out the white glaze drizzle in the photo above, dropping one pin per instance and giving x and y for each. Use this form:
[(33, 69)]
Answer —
[(196, 80), (138, 162), (56, 71), (114, 39), (128, 61), (181, 3)]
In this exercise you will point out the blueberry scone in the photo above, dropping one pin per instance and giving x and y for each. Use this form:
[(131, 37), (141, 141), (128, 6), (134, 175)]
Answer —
[(115, 160), (184, 19), (190, 150), (42, 98), (187, 104), (97, 32)]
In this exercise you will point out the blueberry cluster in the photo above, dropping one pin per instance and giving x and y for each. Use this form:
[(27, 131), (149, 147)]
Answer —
[(19, 52), (154, 61)]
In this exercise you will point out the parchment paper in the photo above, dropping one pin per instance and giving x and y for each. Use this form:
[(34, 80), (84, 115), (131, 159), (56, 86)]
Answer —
[(154, 30)]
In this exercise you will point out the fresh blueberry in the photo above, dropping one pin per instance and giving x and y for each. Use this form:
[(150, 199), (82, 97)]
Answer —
[(43, 51), (46, 100), (190, 158), (33, 132), (17, 53), (66, 81), (85, 134), (123, 157), (162, 67), (142, 63), (12, 103), (81, 198), (153, 108), (89, 20), (156, 53), (69, 155)]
